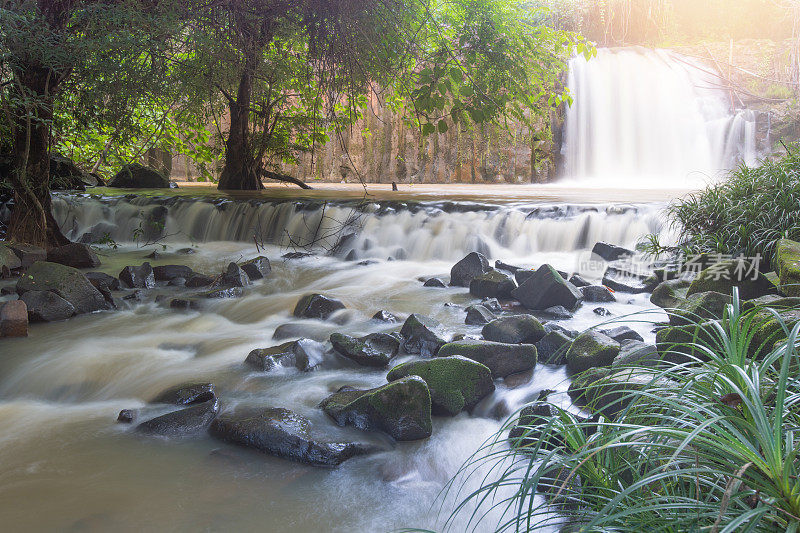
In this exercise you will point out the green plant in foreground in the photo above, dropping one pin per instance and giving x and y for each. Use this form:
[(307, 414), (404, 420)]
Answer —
[(707, 444)]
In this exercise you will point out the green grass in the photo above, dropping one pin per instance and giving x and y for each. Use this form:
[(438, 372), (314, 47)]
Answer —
[(709, 445)]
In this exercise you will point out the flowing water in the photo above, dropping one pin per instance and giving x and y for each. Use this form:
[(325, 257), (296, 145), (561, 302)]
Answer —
[(68, 466)]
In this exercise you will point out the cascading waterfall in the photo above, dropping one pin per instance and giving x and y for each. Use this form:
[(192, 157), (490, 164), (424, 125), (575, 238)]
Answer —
[(640, 116), (413, 231)]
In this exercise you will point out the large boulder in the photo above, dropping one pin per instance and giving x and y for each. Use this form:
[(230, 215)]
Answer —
[(597, 294), (455, 383), (591, 349), (256, 268), (402, 409), (101, 280), (469, 268), (609, 392), (787, 261), (187, 394), (546, 288), (552, 348), (477, 315), (700, 307), (13, 319), (502, 359), (76, 255), (67, 282), (374, 350), (317, 306), (516, 329), (234, 276), (492, 284), (28, 254), (303, 354), (170, 272), (186, 422), (620, 278), (724, 276), (529, 429), (684, 344), (138, 277), (65, 174), (768, 330), (423, 335), (636, 353), (8, 259), (669, 294), (136, 176), (610, 252), (284, 434), (46, 306)]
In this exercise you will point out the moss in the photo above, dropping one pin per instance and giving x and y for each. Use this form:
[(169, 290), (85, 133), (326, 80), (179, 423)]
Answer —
[(678, 344), (455, 383), (590, 350), (787, 260), (502, 359), (8, 259), (611, 393), (722, 277), (699, 307), (769, 330), (670, 294), (375, 350)]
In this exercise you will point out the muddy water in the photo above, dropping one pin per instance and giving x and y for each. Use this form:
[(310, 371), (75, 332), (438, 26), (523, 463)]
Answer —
[(66, 465)]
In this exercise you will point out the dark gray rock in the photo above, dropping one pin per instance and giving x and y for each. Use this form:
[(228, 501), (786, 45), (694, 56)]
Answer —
[(546, 288), (597, 293), (234, 276), (529, 428), (140, 277), (199, 280), (472, 266), (499, 265), (669, 294), (67, 282), (127, 416), (557, 312), (46, 306), (492, 284), (317, 306), (578, 281), (622, 333), (101, 279), (303, 354), (177, 282), (502, 359), (636, 353), (227, 292), (75, 255), (601, 311), (185, 304), (402, 409), (136, 176), (478, 315), (186, 422), (257, 268), (621, 280), (28, 254), (170, 272), (385, 316), (591, 349), (610, 252), (187, 394), (423, 335), (517, 329), (434, 282), (374, 350), (492, 305), (552, 348), (284, 434)]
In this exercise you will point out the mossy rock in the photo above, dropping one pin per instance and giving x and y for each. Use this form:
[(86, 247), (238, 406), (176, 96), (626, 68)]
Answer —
[(67, 282), (516, 329), (722, 277), (700, 307), (769, 331), (683, 344), (423, 335), (787, 260), (611, 392), (317, 306), (402, 409), (669, 294), (492, 284), (773, 301), (8, 259), (137, 176), (591, 349), (502, 359), (456, 383), (552, 348), (374, 350)]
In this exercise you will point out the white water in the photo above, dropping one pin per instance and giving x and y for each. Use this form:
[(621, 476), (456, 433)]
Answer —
[(651, 118)]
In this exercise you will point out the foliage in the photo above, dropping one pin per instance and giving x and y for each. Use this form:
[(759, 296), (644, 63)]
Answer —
[(709, 445), (746, 213)]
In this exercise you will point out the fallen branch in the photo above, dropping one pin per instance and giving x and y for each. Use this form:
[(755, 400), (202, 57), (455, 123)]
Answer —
[(286, 178)]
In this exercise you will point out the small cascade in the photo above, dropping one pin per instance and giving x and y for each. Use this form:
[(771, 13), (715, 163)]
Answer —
[(410, 231), (651, 118)]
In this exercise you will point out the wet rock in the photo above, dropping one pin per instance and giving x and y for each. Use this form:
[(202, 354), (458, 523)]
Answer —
[(681, 344), (774, 301), (177, 282), (557, 312), (478, 315), (170, 272), (75, 255), (234, 276), (303, 354), (502, 359), (622, 333), (601, 311), (492, 284), (492, 305), (499, 265), (552, 326), (135, 296), (722, 277), (67, 282), (185, 304), (26, 253), (99, 233), (517, 329), (46, 306), (257, 268), (187, 394), (700, 307), (619, 279), (317, 332), (597, 293), (284, 434), (531, 424), (636, 353), (186, 251), (611, 252), (101, 279), (578, 281), (182, 423), (229, 292), (609, 392), (141, 277), (423, 335), (552, 349), (472, 266), (669, 294), (14, 319), (8, 259), (136, 176), (127, 416), (546, 288), (591, 349), (199, 280), (402, 409), (455, 383), (787, 259), (317, 306), (385, 316), (296, 255), (434, 282), (374, 350)]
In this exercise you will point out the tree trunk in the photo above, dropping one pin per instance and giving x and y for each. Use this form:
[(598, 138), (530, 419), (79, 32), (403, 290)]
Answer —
[(32, 220)]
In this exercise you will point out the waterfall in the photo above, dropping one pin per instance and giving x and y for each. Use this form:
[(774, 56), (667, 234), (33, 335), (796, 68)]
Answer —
[(651, 118), (417, 231)]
